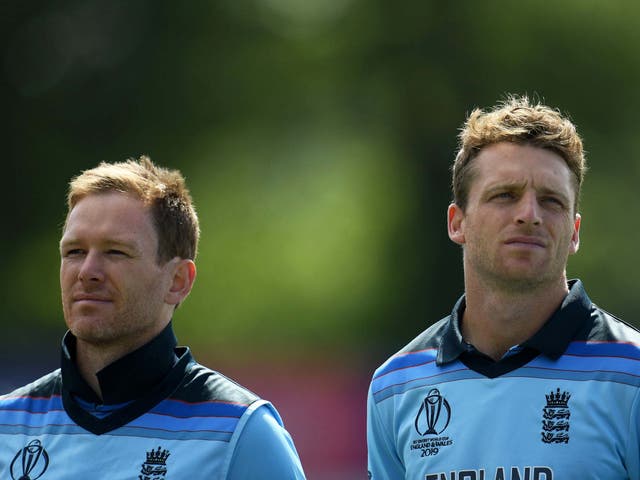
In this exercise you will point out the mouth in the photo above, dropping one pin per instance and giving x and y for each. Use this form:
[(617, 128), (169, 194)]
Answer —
[(526, 242), (87, 298)]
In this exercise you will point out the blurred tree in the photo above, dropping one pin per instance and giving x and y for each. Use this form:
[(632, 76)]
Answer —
[(317, 138)]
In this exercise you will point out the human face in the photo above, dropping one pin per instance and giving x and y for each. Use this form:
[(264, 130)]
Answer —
[(113, 289), (519, 227)]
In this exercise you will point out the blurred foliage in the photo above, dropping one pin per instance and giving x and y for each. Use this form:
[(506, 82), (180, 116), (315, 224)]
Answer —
[(316, 138)]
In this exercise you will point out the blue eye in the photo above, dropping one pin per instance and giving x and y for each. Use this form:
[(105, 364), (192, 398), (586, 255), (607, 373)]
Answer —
[(553, 201), (503, 196)]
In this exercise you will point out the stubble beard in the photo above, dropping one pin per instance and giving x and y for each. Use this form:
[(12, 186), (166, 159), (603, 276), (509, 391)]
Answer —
[(118, 326), (496, 275)]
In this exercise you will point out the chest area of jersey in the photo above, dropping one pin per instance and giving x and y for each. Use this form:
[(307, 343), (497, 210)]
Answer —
[(513, 429), (116, 457)]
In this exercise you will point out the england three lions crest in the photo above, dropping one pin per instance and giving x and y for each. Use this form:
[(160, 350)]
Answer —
[(555, 417), (155, 467)]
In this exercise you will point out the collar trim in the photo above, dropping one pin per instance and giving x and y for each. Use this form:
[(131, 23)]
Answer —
[(127, 378), (551, 340), (132, 410)]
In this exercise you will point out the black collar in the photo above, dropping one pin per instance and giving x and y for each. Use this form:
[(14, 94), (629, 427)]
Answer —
[(126, 379), (551, 340)]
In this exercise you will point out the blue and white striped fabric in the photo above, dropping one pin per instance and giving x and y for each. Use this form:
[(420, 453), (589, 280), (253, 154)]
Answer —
[(208, 427), (566, 415)]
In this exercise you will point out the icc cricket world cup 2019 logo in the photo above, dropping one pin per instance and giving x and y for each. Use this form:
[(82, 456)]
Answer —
[(434, 414), (30, 462)]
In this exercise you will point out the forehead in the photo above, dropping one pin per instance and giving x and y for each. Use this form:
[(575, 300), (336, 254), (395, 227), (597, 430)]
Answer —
[(110, 216), (511, 163)]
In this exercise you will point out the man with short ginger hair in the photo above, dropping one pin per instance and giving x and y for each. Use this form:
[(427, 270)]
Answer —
[(128, 402), (526, 378)]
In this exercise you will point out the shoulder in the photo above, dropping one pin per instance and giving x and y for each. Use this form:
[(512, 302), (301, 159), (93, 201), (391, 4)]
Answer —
[(421, 349), (606, 336), (263, 448), (219, 404), (42, 395), (429, 338), (606, 327), (201, 384), (45, 386), (259, 445)]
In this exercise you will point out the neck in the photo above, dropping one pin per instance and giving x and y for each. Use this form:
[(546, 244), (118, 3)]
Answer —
[(92, 357), (496, 319)]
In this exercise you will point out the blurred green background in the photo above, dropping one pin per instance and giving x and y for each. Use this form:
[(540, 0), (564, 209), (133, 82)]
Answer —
[(316, 136)]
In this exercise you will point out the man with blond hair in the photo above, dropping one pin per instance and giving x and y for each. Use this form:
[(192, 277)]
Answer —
[(128, 402), (526, 378)]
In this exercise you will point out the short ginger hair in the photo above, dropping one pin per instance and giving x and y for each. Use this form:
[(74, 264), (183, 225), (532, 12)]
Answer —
[(164, 191), (516, 119)]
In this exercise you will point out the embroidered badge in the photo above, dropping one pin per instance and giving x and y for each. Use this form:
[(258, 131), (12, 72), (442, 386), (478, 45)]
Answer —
[(555, 417), (30, 462), (155, 468), (432, 419)]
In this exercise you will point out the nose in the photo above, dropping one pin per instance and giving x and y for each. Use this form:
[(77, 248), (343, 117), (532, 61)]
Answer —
[(91, 269), (528, 212)]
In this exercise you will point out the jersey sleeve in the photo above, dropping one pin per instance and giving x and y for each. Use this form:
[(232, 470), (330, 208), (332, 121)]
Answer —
[(263, 448), (382, 457), (633, 445)]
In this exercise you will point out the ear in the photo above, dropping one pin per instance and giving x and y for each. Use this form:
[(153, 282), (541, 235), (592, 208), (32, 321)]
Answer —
[(575, 237), (184, 274), (455, 224)]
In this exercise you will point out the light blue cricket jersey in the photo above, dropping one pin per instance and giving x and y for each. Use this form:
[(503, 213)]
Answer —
[(562, 406), (164, 417)]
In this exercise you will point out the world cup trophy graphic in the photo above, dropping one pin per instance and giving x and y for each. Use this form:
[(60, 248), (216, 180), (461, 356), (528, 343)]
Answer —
[(431, 418), (30, 462)]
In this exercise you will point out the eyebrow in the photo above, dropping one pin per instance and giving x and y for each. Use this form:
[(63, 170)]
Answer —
[(518, 185), (504, 185), (131, 245), (551, 191)]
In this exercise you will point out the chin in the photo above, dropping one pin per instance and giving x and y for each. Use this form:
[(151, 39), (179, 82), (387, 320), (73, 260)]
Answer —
[(88, 327), (526, 281)]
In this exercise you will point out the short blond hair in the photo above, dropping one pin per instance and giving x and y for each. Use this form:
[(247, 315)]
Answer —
[(161, 189), (517, 120)]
